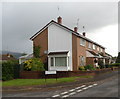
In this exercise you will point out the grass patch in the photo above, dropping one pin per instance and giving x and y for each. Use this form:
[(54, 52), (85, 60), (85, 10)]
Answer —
[(29, 82)]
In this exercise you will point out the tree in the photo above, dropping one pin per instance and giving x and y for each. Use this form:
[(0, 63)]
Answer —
[(36, 51), (118, 58)]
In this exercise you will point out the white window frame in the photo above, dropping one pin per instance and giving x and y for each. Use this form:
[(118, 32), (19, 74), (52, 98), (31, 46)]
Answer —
[(94, 46), (97, 48), (81, 42), (89, 45), (101, 50), (54, 56)]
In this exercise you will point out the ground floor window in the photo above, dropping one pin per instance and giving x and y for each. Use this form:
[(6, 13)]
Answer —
[(60, 61), (52, 61), (82, 61)]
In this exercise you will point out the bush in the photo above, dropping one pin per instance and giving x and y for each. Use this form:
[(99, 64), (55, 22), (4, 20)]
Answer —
[(118, 58), (115, 64), (101, 64), (8, 70), (82, 68), (34, 64), (89, 67), (107, 66)]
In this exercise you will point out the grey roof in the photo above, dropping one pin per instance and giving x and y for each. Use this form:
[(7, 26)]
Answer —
[(76, 33)]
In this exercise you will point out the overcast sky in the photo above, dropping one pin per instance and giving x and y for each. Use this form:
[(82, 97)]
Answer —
[(22, 20)]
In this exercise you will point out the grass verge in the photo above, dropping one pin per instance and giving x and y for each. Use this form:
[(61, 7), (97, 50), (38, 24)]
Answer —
[(29, 82)]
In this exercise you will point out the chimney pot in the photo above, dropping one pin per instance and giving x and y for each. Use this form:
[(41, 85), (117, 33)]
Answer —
[(75, 29), (84, 33), (59, 19)]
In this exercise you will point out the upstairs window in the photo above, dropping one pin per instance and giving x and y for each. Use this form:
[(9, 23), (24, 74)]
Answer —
[(101, 50), (82, 42), (98, 48), (94, 46), (89, 45)]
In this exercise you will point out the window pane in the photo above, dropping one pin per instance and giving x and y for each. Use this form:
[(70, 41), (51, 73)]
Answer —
[(82, 61), (60, 61), (51, 61), (89, 45), (93, 46), (82, 42)]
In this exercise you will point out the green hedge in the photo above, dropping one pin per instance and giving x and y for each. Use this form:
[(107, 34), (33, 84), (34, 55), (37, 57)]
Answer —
[(115, 64), (89, 67), (8, 70), (82, 68)]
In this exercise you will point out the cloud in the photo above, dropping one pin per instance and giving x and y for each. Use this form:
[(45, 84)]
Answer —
[(22, 20)]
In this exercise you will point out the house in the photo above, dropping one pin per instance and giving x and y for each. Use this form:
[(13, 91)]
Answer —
[(6, 57), (109, 59), (24, 58), (65, 49)]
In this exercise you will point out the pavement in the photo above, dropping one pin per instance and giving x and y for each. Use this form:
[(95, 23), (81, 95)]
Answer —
[(105, 85)]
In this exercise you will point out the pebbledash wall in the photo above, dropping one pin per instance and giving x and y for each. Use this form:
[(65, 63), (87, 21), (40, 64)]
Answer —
[(60, 40)]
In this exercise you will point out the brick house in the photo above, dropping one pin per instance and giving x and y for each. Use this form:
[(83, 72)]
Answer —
[(65, 49), (7, 57)]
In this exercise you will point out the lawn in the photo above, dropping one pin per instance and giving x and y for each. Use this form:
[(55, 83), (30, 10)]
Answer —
[(29, 82)]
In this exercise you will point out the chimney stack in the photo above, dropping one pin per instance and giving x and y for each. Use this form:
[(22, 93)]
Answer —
[(84, 33), (59, 20), (75, 29)]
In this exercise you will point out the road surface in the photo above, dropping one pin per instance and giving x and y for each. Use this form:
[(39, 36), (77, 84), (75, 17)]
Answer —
[(104, 88)]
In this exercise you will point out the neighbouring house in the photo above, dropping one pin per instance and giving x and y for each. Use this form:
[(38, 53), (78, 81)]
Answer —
[(65, 49), (24, 58), (6, 57)]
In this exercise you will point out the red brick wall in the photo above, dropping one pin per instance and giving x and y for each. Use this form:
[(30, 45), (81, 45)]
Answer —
[(89, 60), (60, 74), (42, 41)]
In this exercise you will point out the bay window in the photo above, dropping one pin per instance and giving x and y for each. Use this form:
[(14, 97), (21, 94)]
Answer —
[(60, 61)]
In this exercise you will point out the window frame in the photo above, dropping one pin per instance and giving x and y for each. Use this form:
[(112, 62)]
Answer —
[(62, 65), (81, 42), (89, 45), (82, 60), (94, 46)]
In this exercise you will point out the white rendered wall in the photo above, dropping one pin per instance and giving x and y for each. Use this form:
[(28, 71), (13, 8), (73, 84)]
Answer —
[(59, 40)]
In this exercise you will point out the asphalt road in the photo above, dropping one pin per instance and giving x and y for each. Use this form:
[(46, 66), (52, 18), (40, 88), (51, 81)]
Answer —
[(104, 88)]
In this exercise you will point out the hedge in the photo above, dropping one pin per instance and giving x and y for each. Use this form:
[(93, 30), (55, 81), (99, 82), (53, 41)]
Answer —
[(9, 70)]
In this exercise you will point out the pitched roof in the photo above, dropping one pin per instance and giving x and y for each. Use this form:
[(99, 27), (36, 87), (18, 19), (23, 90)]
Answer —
[(7, 57), (76, 33)]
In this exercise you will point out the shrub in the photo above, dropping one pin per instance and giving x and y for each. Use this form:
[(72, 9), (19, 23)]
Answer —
[(101, 64), (8, 70), (89, 67), (82, 68), (115, 64), (36, 51), (118, 58), (107, 66), (34, 64)]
